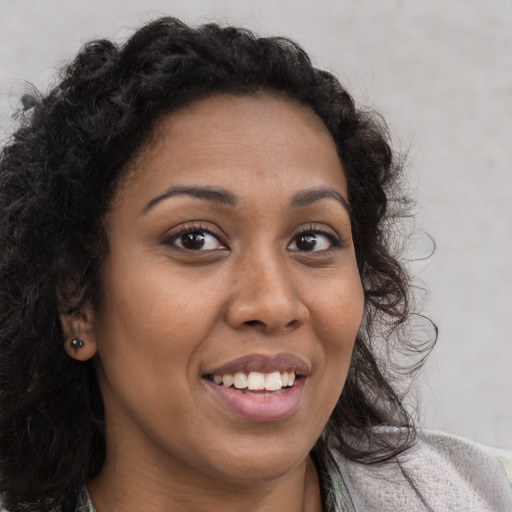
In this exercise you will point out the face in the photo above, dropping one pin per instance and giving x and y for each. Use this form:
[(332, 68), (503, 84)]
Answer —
[(230, 272)]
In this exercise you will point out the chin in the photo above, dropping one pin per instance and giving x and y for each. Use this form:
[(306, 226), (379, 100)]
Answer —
[(261, 460)]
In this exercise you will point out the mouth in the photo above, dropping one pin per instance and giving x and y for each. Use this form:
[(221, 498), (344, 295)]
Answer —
[(255, 382), (260, 388)]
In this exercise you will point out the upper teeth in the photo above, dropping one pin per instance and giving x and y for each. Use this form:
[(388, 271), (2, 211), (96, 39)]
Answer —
[(256, 380)]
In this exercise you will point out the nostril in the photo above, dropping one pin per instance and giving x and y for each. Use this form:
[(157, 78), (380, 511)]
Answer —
[(269, 311), (259, 324), (253, 323), (293, 324)]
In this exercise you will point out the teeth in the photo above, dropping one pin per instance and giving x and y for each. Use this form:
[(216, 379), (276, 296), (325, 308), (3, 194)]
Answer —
[(273, 381), (227, 380), (256, 381), (240, 380)]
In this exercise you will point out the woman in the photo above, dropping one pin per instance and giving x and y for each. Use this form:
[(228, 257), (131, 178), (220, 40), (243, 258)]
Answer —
[(198, 292)]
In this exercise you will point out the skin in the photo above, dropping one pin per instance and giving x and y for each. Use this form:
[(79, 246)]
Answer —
[(168, 314)]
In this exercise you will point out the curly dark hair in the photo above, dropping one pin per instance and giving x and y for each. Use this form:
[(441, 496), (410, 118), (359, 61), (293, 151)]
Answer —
[(58, 174)]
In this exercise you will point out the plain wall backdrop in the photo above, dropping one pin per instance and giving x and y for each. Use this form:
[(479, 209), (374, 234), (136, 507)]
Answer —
[(440, 72)]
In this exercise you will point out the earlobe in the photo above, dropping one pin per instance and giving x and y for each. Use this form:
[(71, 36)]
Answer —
[(78, 333), (79, 349)]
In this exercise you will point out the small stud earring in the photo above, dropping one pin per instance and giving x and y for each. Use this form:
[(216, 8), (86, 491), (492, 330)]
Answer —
[(77, 343)]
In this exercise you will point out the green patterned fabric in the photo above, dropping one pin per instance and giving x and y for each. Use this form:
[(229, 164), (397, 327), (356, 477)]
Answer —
[(335, 495), (85, 504)]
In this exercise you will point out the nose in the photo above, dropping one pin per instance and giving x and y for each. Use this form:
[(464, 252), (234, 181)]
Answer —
[(265, 296)]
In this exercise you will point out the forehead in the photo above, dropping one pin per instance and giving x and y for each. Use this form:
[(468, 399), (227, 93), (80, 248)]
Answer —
[(239, 142)]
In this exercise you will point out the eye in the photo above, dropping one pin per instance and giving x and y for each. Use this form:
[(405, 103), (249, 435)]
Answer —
[(313, 241), (195, 239)]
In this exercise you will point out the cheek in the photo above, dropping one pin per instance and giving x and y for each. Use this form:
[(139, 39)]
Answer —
[(149, 303), (148, 331), (338, 319), (338, 316), (339, 309)]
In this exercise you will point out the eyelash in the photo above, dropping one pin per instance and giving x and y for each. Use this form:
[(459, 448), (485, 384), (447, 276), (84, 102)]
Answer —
[(335, 241), (194, 228)]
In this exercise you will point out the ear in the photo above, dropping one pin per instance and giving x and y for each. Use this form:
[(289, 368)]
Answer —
[(79, 334)]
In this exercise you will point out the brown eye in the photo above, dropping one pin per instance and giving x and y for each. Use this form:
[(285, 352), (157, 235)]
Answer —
[(197, 240), (306, 242), (312, 242), (192, 241)]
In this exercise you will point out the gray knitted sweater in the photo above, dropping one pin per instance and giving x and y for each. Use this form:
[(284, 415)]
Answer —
[(441, 473)]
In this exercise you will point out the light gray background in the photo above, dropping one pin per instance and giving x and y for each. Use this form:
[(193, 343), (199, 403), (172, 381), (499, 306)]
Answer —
[(440, 71)]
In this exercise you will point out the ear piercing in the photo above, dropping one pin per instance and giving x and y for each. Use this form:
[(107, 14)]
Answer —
[(77, 343)]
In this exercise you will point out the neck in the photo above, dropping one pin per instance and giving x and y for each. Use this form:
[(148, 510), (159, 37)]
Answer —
[(139, 489)]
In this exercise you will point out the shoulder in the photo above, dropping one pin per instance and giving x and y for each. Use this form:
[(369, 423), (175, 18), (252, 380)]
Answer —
[(504, 457), (441, 472)]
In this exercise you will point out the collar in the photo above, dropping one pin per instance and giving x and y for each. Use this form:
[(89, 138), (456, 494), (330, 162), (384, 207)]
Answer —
[(335, 495)]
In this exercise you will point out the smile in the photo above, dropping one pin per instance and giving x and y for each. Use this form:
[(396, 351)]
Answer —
[(259, 405), (260, 388), (256, 381)]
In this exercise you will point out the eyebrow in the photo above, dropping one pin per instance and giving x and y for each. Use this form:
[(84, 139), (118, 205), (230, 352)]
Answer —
[(225, 197), (214, 194), (309, 196)]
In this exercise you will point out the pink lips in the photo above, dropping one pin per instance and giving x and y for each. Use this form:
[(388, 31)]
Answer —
[(261, 406)]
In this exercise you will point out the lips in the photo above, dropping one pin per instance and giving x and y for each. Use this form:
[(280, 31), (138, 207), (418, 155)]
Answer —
[(250, 387), (264, 364)]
